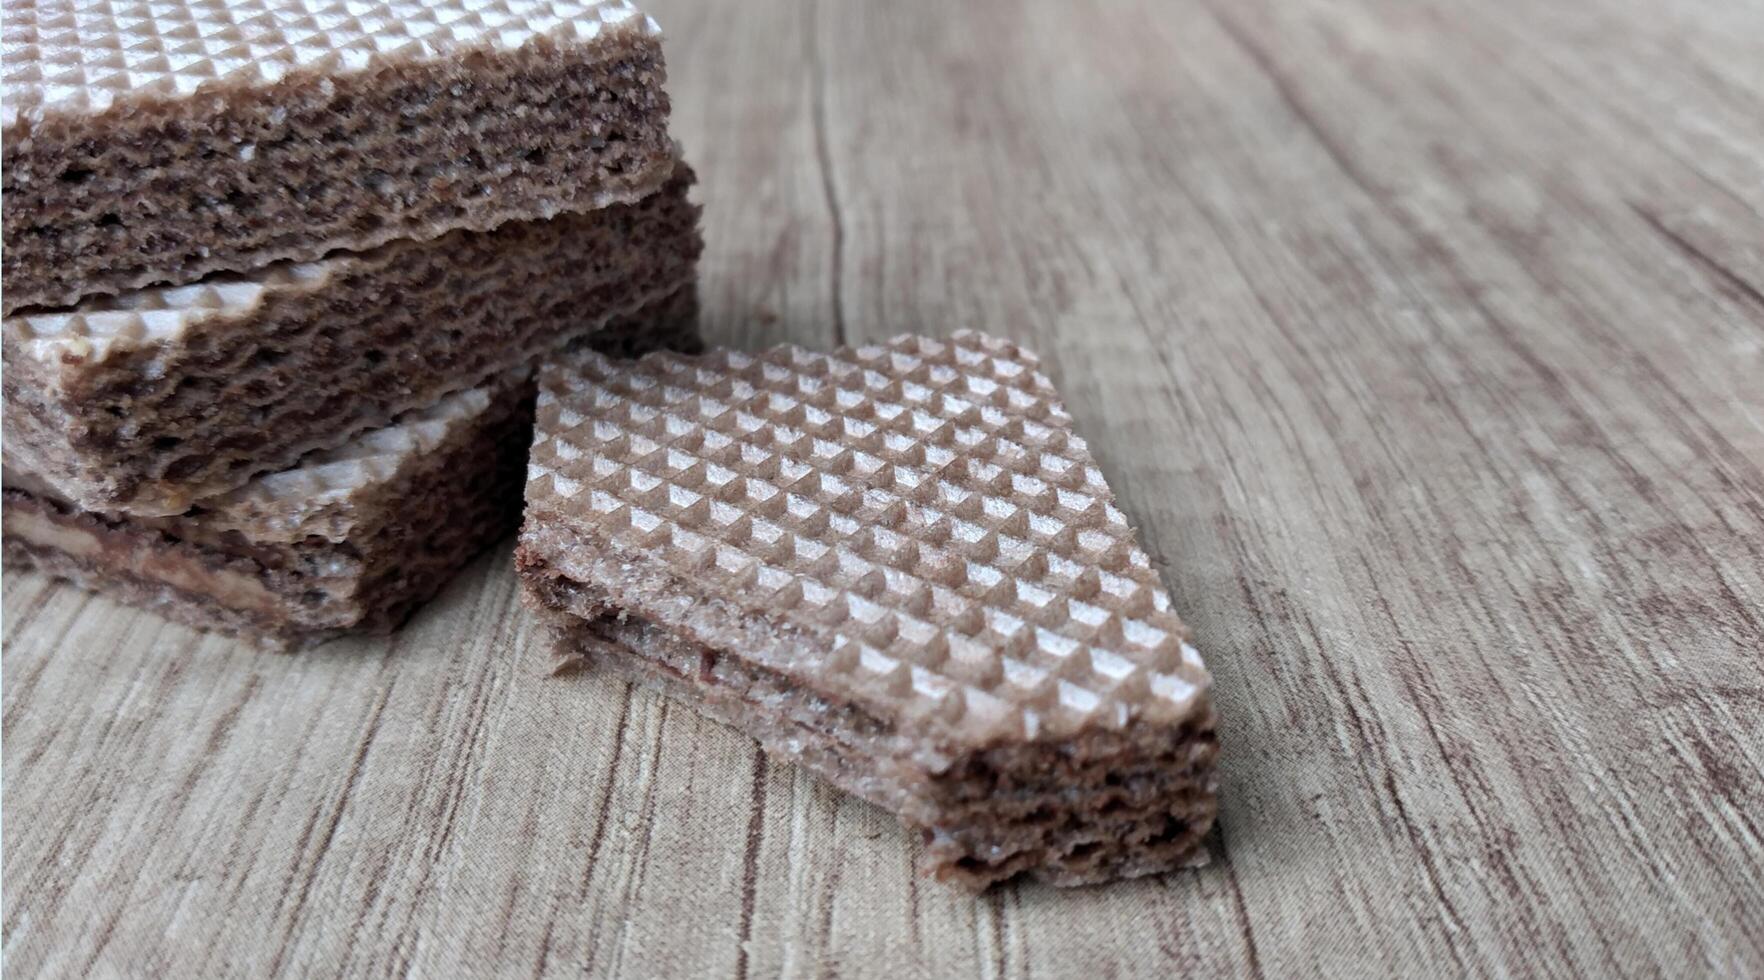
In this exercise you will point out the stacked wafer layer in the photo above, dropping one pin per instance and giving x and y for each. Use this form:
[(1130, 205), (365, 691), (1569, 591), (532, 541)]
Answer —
[(349, 539), (151, 141), (147, 401), (897, 565), (294, 256)]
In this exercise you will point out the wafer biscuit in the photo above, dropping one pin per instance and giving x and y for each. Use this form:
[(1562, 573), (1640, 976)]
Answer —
[(157, 141), (350, 540), (143, 403), (896, 564)]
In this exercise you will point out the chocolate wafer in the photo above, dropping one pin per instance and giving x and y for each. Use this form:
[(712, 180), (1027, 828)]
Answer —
[(350, 540), (145, 402), (157, 141), (895, 564)]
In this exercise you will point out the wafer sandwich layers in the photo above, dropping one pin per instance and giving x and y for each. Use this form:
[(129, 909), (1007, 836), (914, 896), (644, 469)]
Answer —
[(350, 540), (146, 402), (897, 565), (157, 141)]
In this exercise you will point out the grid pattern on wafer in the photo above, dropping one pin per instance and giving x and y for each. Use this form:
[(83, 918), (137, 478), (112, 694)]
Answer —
[(922, 509), (154, 315), (309, 499), (82, 56), (313, 498)]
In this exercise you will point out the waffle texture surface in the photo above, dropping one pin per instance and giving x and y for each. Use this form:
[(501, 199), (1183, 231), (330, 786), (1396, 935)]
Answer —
[(85, 56), (149, 400), (921, 512), (896, 564), (322, 496), (159, 140), (319, 496)]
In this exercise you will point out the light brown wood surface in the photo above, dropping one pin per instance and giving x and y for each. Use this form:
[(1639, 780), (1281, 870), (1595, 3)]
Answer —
[(1424, 341)]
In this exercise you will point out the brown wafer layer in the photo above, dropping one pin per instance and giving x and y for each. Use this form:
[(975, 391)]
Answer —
[(897, 564), (156, 143), (351, 540), (145, 402)]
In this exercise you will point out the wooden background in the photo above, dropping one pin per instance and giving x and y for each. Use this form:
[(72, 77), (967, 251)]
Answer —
[(1425, 341)]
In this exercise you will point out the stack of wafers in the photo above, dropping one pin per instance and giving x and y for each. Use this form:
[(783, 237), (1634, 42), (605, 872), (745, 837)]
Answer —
[(276, 273), (282, 278)]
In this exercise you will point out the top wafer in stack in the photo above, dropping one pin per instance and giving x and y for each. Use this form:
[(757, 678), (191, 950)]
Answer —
[(239, 233), (157, 141)]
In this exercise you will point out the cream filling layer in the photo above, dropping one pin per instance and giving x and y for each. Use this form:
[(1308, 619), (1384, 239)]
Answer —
[(234, 590)]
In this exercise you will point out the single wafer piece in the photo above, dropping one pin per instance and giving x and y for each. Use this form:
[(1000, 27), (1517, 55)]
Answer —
[(143, 403), (351, 540), (156, 141), (896, 564)]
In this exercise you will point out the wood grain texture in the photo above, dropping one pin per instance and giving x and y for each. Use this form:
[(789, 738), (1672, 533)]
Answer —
[(1422, 339)]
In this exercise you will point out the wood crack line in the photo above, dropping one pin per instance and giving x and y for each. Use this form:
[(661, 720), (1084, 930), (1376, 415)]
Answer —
[(824, 158), (756, 813), (1284, 89), (330, 831), (1732, 280), (1239, 906)]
